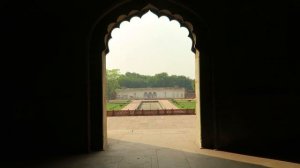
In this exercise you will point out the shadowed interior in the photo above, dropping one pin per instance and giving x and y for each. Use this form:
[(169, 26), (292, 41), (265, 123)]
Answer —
[(51, 75)]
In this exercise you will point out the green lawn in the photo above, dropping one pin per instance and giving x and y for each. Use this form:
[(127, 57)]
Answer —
[(116, 104), (184, 103)]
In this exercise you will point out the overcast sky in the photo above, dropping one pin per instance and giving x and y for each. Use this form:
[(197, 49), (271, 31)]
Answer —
[(151, 45)]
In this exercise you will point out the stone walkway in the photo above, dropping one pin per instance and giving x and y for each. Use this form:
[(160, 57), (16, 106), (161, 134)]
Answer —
[(167, 104), (169, 142), (133, 105), (156, 142)]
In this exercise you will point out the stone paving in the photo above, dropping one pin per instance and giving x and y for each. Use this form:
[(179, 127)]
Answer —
[(167, 104), (170, 142), (133, 105), (157, 142)]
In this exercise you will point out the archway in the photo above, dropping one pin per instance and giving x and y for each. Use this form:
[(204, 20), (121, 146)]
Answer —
[(150, 9), (99, 141), (154, 95)]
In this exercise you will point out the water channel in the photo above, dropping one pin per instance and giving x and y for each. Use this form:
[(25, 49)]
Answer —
[(150, 105)]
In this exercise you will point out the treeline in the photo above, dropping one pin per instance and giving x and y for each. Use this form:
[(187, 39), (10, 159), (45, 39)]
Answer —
[(116, 80)]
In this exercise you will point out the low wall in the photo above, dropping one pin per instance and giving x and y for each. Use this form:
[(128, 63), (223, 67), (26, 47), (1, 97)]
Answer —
[(151, 112)]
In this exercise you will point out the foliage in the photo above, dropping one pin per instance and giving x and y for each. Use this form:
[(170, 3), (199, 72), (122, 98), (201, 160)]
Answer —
[(135, 80), (184, 103), (112, 79), (115, 80), (116, 105)]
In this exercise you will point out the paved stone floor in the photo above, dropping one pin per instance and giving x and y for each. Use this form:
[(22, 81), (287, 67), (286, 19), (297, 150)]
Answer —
[(133, 105), (159, 142), (170, 142), (167, 104)]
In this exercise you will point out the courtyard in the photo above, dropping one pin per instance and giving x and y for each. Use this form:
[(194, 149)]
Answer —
[(169, 142), (156, 142)]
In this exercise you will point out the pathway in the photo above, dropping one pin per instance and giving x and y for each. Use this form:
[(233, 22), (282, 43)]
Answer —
[(167, 104), (133, 105)]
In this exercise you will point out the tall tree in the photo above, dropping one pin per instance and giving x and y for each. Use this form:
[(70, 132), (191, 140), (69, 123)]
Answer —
[(112, 82)]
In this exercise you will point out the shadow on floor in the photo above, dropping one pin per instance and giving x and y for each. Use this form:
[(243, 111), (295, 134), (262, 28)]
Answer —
[(124, 154)]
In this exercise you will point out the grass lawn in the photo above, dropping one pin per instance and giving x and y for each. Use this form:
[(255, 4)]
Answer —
[(116, 104), (184, 103)]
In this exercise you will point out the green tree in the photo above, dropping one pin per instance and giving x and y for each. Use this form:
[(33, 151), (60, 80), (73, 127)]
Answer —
[(135, 80), (112, 82)]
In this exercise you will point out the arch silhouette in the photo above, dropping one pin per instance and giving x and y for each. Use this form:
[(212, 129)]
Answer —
[(97, 49), (140, 13)]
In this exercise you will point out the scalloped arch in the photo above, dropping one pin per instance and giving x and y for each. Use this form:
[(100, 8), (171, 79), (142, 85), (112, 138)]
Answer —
[(140, 13)]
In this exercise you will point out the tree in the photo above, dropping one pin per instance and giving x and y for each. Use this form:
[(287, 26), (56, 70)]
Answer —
[(135, 80), (112, 82)]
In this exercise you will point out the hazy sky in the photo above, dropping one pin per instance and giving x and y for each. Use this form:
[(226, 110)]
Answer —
[(151, 45)]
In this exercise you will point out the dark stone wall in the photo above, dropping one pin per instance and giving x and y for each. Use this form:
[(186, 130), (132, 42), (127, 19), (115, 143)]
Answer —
[(248, 74), (253, 76)]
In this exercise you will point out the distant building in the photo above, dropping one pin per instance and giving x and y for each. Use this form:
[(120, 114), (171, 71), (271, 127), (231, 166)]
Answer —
[(190, 94), (150, 93)]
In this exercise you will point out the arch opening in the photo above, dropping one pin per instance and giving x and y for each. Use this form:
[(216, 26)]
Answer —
[(152, 95)]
